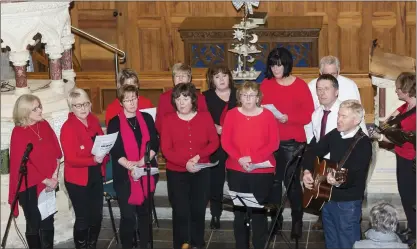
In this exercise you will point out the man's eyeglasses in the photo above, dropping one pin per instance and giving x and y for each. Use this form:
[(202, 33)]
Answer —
[(79, 106)]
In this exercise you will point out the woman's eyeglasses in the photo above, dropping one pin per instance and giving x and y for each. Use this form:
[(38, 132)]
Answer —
[(39, 107), (248, 96), (79, 106), (130, 101)]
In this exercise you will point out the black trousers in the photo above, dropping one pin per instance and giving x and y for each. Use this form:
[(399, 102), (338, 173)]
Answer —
[(188, 194), (283, 155), (406, 181), (260, 185), (217, 177), (28, 199), (87, 201)]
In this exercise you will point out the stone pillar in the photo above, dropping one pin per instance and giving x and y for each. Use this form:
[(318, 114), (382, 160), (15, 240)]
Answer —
[(19, 60), (67, 70), (55, 68)]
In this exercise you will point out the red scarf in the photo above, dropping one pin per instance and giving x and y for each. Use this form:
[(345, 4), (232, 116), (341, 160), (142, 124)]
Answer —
[(138, 192)]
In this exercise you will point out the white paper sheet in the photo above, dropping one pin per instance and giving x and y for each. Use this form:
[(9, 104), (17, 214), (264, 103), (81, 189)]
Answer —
[(47, 203), (103, 144), (274, 110), (139, 172), (263, 165), (151, 111), (206, 165), (248, 198)]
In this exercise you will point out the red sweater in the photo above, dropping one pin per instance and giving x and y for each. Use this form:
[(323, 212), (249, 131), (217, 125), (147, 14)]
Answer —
[(182, 140), (76, 144), (408, 124), (114, 107), (294, 100), (165, 107), (41, 165), (256, 137)]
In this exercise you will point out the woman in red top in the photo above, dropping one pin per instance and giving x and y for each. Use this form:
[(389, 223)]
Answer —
[(42, 168), (83, 171), (292, 97), (188, 140), (126, 77), (250, 136), (406, 178)]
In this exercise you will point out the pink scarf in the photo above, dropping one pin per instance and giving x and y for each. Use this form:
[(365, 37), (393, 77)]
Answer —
[(138, 192)]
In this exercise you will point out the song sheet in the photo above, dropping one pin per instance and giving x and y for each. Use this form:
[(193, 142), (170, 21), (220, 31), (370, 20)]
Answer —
[(151, 111), (47, 203), (139, 172), (206, 165), (103, 144), (263, 165), (274, 110), (248, 198)]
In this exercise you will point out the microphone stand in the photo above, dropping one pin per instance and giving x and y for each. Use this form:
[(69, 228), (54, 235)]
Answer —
[(147, 160), (296, 156), (23, 171)]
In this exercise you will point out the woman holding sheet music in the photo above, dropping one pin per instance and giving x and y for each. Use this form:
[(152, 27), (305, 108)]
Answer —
[(135, 129), (83, 171), (250, 136), (188, 139)]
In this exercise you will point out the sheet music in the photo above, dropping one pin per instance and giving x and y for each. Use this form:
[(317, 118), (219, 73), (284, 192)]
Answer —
[(151, 111), (248, 198), (274, 110), (47, 203), (139, 172), (206, 165), (263, 165), (103, 144)]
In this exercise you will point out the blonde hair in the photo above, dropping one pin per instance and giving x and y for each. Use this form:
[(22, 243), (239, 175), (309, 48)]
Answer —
[(22, 109), (181, 67), (329, 60), (355, 106), (76, 93), (246, 86)]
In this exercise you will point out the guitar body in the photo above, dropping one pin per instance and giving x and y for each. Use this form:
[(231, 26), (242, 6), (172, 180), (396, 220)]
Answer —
[(321, 192)]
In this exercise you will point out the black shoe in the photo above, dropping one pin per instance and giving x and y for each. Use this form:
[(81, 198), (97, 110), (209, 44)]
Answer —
[(215, 222), (405, 232), (93, 233), (80, 238), (33, 240), (297, 225), (47, 239)]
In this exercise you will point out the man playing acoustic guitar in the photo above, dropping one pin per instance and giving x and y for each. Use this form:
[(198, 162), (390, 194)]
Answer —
[(351, 149)]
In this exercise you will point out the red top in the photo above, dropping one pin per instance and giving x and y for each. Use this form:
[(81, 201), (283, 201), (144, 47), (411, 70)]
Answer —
[(182, 140), (255, 136), (165, 107), (294, 100), (114, 107), (408, 124), (76, 144), (41, 165)]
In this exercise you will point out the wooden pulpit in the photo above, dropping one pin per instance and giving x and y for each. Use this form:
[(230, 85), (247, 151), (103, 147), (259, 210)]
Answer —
[(207, 40)]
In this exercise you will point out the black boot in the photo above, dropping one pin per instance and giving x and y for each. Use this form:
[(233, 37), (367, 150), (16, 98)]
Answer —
[(215, 222), (33, 240), (93, 233), (297, 224), (80, 238), (47, 239)]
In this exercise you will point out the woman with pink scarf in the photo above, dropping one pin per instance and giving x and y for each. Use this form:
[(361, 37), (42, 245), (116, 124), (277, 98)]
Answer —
[(135, 130)]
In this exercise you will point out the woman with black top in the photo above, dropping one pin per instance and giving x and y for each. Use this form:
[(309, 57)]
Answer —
[(220, 98), (135, 130)]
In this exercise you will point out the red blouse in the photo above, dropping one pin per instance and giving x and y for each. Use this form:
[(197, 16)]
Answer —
[(255, 136), (41, 165), (182, 140), (165, 107), (76, 144), (294, 100), (114, 107), (408, 124)]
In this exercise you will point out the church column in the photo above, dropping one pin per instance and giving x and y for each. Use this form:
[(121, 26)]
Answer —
[(20, 60), (55, 67), (67, 70)]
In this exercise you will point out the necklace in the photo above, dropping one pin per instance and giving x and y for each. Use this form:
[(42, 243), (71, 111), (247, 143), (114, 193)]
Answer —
[(133, 126), (37, 133)]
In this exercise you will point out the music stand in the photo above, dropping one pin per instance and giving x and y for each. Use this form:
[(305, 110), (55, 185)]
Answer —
[(148, 168), (297, 155)]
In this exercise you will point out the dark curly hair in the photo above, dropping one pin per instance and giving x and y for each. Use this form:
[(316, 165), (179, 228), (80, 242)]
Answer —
[(186, 90)]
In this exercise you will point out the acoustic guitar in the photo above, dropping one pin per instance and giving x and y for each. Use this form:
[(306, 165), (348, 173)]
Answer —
[(315, 198)]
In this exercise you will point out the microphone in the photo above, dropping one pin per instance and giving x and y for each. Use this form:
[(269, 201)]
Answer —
[(147, 156), (29, 148)]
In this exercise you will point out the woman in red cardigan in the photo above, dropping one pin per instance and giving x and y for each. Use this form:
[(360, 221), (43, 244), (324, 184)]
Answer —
[(83, 171), (189, 139), (126, 77), (250, 136), (292, 97), (42, 168)]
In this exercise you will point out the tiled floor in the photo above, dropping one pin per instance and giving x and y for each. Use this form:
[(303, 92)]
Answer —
[(219, 239)]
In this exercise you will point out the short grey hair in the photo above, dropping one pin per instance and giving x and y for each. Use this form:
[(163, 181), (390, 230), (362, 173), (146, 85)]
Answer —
[(329, 60), (76, 93), (384, 218), (355, 106)]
